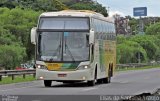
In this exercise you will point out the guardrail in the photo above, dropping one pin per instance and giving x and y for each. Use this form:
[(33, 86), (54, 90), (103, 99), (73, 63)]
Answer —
[(13, 73), (135, 65)]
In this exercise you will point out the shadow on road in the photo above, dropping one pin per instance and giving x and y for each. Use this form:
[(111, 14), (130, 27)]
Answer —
[(78, 84)]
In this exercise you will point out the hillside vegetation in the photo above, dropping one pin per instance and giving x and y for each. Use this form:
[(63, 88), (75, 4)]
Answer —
[(140, 48), (17, 17)]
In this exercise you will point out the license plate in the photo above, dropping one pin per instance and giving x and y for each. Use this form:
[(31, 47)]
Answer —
[(62, 75), (54, 67)]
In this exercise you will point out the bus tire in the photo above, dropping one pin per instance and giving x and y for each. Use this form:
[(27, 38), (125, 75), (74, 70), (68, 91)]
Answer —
[(92, 82), (109, 76), (108, 79), (100, 81), (111, 73), (47, 83)]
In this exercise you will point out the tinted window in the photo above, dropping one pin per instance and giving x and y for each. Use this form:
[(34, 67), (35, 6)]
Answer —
[(64, 23)]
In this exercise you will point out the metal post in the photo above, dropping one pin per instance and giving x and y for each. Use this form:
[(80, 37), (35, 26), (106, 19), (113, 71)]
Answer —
[(24, 76), (12, 77), (139, 57), (141, 26), (139, 29), (34, 75), (0, 77)]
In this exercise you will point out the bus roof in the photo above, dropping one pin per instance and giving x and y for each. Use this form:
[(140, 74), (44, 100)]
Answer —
[(79, 13), (74, 13)]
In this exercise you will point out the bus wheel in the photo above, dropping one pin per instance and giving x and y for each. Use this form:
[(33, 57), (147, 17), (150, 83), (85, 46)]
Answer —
[(47, 83), (111, 73), (92, 82), (100, 81), (108, 79)]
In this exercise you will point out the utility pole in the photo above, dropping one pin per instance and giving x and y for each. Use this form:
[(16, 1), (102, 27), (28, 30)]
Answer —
[(154, 20), (139, 57), (141, 26), (108, 8)]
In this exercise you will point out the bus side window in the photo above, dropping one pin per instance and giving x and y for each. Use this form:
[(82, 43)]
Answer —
[(87, 40), (92, 48), (92, 53)]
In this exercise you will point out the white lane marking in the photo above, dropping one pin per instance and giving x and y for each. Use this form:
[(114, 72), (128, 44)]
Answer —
[(88, 89), (18, 88)]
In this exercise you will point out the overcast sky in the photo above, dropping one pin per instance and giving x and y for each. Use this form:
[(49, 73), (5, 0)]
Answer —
[(125, 7)]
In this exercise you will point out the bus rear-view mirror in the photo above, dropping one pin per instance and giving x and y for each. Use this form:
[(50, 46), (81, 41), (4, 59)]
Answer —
[(33, 35), (91, 37)]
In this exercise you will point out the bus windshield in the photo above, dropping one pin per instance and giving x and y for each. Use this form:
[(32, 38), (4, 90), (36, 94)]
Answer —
[(64, 23), (64, 46)]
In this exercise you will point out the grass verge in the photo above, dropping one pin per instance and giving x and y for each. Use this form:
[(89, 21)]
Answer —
[(138, 68), (8, 80)]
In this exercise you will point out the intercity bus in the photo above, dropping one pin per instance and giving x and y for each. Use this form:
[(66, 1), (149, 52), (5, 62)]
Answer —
[(74, 46)]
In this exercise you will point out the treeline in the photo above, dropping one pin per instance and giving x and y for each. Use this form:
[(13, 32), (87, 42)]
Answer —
[(55, 5), (86, 5), (147, 21), (37, 5), (15, 46), (17, 17), (144, 47)]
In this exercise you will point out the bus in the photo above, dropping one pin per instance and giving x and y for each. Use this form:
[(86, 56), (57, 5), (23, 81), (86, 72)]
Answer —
[(74, 46)]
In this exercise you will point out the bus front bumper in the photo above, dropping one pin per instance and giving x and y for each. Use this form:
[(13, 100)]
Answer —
[(78, 75)]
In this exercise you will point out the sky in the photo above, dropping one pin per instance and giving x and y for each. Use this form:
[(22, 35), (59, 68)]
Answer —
[(125, 7)]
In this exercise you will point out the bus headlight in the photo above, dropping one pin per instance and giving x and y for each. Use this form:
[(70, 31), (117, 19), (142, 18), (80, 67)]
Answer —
[(83, 67), (41, 67)]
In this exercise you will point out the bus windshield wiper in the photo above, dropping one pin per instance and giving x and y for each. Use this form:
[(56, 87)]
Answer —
[(66, 46), (70, 52), (57, 50)]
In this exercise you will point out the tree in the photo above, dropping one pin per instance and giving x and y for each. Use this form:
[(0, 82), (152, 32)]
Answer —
[(12, 52), (38, 5), (8, 3), (121, 39), (18, 23), (148, 43), (127, 52), (128, 48), (90, 6), (11, 55), (134, 25), (154, 29), (59, 5)]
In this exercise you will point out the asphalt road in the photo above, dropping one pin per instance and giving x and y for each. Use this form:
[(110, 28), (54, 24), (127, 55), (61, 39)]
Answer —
[(123, 83)]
